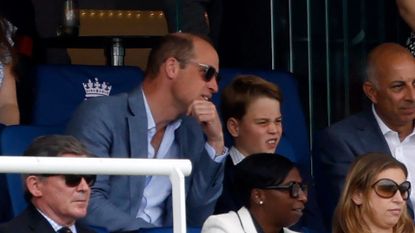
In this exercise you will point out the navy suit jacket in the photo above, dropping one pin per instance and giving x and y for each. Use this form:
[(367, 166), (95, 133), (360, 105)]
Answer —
[(116, 126), (336, 148), (31, 221)]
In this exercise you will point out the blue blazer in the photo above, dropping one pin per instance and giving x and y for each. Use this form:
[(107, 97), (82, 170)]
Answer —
[(336, 148), (116, 126)]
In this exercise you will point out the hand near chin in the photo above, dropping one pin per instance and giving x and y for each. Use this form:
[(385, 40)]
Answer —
[(206, 114)]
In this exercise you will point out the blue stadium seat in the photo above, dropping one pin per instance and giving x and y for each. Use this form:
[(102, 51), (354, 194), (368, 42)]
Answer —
[(294, 142), (13, 141), (61, 88)]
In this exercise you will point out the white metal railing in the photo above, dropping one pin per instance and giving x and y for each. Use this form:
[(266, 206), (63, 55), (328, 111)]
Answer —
[(176, 169)]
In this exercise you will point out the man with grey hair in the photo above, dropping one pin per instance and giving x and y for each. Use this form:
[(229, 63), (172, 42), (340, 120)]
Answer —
[(55, 201), (387, 127)]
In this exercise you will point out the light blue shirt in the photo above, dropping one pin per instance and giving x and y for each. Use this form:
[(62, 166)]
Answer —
[(158, 188), (55, 225)]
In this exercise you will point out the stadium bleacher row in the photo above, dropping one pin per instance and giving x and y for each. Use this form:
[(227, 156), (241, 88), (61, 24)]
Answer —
[(61, 88)]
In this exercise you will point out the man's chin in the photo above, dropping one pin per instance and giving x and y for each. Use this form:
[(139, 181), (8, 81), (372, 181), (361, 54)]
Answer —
[(80, 213)]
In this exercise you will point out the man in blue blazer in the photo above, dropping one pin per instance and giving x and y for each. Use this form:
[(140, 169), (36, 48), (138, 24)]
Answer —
[(169, 116), (387, 127)]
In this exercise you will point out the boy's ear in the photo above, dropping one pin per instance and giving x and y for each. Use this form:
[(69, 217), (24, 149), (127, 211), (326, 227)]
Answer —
[(233, 127)]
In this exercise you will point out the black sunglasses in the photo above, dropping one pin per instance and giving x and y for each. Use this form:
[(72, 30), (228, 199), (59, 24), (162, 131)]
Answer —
[(209, 71), (293, 187), (75, 180), (387, 188)]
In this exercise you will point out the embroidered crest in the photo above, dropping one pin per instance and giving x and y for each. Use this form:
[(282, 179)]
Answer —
[(95, 89)]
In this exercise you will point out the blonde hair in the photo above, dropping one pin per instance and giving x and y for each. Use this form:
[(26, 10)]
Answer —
[(348, 217)]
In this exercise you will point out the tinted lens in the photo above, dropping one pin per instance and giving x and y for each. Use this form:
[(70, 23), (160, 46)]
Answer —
[(405, 189), (74, 180), (210, 73), (296, 188), (387, 188)]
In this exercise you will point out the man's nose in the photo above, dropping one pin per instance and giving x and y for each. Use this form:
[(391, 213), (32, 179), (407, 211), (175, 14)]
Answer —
[(83, 185), (213, 85)]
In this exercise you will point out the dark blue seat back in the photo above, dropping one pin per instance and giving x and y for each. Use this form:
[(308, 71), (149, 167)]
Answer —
[(13, 141), (61, 88)]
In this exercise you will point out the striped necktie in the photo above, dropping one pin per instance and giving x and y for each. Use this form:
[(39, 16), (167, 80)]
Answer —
[(64, 230)]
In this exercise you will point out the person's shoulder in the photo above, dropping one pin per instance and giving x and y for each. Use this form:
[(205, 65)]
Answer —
[(16, 225), (220, 220), (105, 105), (286, 230), (81, 228), (351, 123), (106, 100)]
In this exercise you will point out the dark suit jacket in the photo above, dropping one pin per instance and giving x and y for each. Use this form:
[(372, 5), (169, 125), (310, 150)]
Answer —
[(31, 221), (116, 126), (336, 148), (228, 201)]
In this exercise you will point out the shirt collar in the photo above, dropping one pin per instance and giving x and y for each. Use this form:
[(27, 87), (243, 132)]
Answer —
[(54, 224), (236, 155), (383, 127), (151, 124)]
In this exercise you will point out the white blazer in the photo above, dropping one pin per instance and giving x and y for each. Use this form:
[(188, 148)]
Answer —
[(232, 222)]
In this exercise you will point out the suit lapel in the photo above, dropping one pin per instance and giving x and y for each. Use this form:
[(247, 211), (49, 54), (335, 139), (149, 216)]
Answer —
[(36, 222), (137, 125), (370, 134), (246, 220), (137, 132)]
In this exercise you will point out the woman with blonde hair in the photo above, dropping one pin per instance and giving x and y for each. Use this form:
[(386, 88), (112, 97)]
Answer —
[(374, 197)]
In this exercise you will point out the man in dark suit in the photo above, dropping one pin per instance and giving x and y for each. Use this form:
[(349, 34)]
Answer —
[(387, 127), (169, 116), (55, 201)]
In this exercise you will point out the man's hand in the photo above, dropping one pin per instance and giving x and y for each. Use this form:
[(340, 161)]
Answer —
[(206, 114)]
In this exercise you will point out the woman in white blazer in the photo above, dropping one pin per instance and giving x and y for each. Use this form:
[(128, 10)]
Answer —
[(271, 190)]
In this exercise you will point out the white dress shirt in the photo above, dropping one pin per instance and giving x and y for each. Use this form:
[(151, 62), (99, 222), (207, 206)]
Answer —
[(55, 225), (236, 155), (403, 151)]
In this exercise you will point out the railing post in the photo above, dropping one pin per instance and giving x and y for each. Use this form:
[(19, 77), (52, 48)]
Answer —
[(179, 200)]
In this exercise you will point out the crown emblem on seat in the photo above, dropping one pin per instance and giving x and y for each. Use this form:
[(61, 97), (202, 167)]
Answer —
[(95, 89)]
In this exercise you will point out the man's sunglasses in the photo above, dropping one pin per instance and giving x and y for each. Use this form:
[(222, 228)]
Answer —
[(209, 72), (387, 188), (294, 188), (75, 180)]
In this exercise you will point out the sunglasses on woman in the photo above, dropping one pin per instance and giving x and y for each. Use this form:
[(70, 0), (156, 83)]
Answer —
[(387, 188), (75, 180), (294, 188)]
